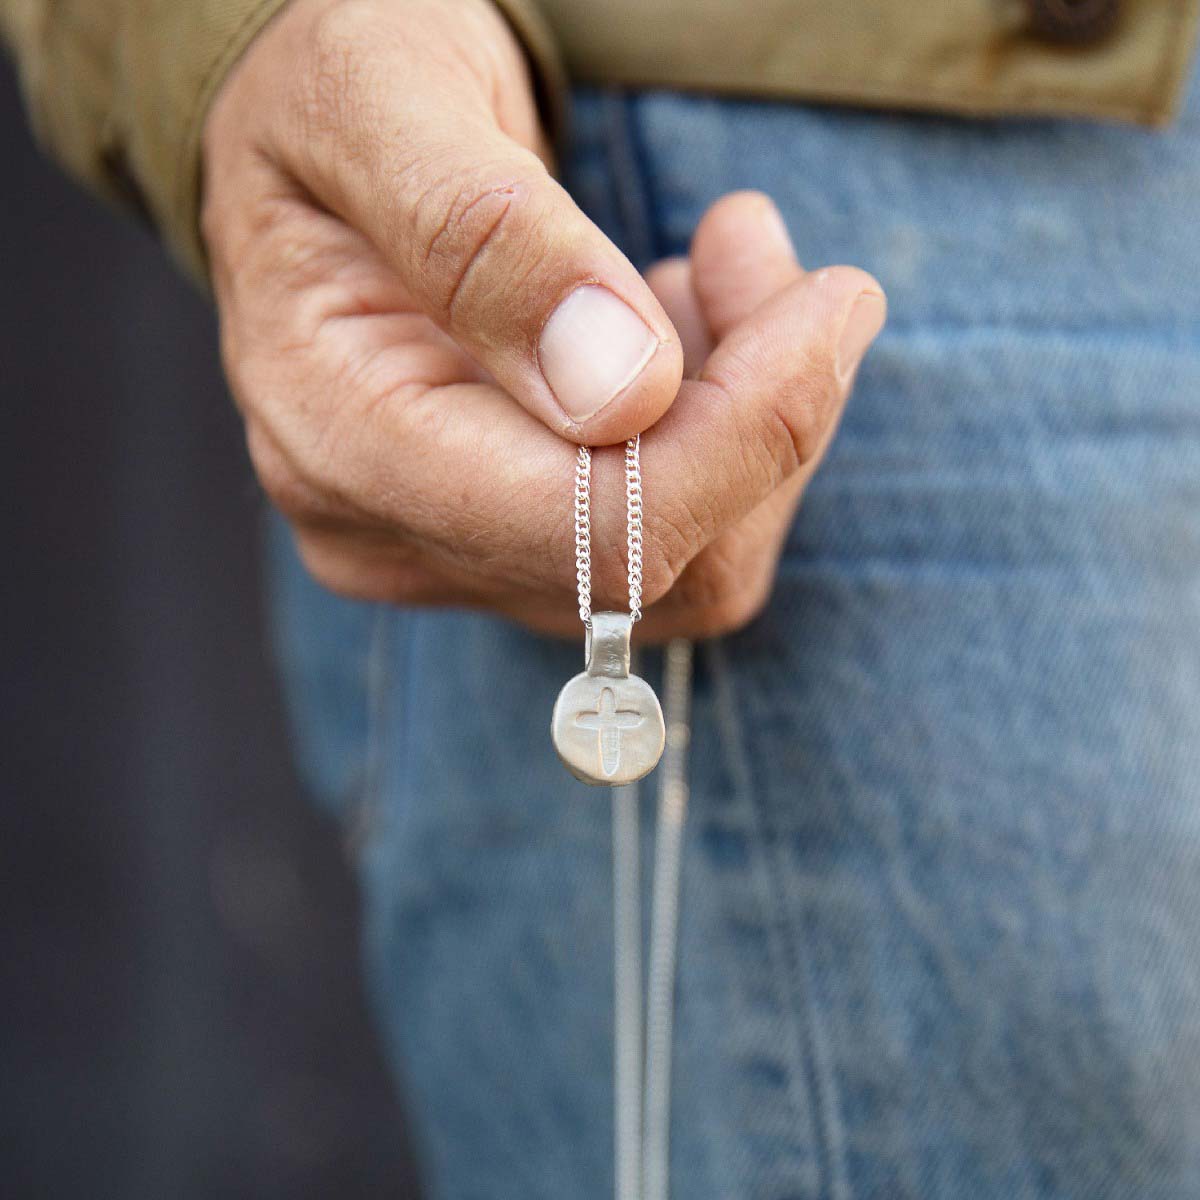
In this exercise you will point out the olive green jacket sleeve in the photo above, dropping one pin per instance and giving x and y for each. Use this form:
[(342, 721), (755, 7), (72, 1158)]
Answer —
[(118, 89)]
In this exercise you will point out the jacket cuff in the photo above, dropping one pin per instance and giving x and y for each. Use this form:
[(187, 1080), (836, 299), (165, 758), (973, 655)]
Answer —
[(119, 92), (173, 72), (547, 72)]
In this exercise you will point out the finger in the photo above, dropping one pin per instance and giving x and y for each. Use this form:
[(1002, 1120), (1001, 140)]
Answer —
[(376, 565), (763, 410), (362, 568), (407, 148), (671, 281), (378, 569), (716, 594), (741, 255)]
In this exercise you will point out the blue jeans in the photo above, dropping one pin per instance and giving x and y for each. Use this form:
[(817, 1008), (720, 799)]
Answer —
[(941, 897)]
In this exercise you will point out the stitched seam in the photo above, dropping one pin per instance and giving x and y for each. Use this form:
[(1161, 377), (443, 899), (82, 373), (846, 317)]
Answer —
[(631, 199), (841, 90), (797, 966), (768, 886), (824, 1086), (643, 168)]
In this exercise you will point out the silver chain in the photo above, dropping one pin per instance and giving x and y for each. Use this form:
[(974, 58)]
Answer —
[(633, 523), (583, 532), (642, 1060), (633, 528)]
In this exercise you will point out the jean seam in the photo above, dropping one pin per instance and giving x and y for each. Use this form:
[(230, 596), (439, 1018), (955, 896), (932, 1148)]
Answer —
[(789, 964), (629, 174), (828, 1121)]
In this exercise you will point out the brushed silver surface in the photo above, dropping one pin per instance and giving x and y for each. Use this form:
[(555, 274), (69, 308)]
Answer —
[(608, 730)]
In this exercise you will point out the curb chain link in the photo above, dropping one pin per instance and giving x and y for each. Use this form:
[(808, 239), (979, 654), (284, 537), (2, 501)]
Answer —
[(633, 528)]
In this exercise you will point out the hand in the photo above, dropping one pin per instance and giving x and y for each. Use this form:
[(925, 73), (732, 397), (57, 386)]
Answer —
[(418, 322)]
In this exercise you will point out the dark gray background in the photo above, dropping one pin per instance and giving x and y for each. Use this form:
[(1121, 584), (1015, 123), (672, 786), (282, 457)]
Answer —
[(180, 1012)]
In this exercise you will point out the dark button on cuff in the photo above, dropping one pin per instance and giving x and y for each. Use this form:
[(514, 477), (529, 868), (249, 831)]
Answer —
[(1074, 21)]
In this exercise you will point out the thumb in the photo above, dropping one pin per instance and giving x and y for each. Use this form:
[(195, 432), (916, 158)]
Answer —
[(485, 241)]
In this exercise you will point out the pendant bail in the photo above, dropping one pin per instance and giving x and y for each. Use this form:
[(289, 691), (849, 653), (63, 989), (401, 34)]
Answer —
[(606, 644)]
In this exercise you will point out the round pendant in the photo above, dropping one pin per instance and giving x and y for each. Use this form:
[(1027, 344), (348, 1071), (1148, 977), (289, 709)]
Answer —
[(608, 729)]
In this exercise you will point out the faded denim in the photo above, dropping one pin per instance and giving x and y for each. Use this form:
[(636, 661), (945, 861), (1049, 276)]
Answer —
[(941, 895)]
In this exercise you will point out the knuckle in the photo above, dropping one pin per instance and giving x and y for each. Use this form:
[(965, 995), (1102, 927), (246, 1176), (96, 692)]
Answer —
[(283, 485), (339, 31), (801, 412), (793, 414), (339, 46), (468, 217), (339, 569), (731, 613), (336, 571), (285, 250), (725, 588), (274, 251), (303, 450), (730, 608), (674, 535), (344, 568), (610, 583), (662, 565), (711, 580)]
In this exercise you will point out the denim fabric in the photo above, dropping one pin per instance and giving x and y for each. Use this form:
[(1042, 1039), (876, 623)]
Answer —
[(941, 898)]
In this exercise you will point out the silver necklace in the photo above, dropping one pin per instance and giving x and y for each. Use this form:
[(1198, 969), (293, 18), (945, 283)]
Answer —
[(608, 728), (607, 724), (642, 1063)]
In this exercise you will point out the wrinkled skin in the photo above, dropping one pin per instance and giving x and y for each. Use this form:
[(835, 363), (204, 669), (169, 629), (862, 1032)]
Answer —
[(387, 243)]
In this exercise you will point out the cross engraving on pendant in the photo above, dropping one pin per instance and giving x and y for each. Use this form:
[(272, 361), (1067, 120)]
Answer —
[(608, 721)]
